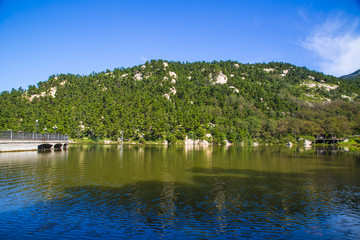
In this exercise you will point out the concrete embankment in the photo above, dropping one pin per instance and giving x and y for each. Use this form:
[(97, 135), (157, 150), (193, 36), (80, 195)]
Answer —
[(30, 145)]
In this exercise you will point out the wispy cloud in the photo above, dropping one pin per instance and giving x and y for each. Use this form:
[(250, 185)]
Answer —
[(337, 44), (303, 15), (144, 59)]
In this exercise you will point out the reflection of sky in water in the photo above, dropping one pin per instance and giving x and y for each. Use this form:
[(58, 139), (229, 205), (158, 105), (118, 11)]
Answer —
[(178, 192)]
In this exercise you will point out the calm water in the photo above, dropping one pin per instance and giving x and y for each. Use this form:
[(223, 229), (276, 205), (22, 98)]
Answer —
[(156, 192)]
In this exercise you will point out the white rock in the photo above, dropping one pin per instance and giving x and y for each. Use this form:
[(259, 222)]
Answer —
[(173, 81), (347, 97), (165, 64), (227, 143), (221, 79), (255, 144), (235, 89), (138, 76), (307, 143), (173, 90), (268, 69), (53, 91), (203, 143), (236, 65), (188, 141), (325, 86), (285, 72), (33, 96), (172, 74), (167, 96)]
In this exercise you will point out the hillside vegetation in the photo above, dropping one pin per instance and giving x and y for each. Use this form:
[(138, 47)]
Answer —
[(215, 101)]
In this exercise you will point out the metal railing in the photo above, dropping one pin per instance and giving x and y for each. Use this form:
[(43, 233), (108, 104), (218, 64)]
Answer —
[(10, 135)]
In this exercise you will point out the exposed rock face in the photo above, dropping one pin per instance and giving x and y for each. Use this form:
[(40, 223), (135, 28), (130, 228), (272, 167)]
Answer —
[(52, 93), (138, 77), (347, 97), (173, 74), (307, 143), (167, 96), (255, 144), (220, 79), (208, 135), (204, 143), (268, 70), (235, 89), (197, 142), (285, 72), (188, 141), (173, 90), (323, 85)]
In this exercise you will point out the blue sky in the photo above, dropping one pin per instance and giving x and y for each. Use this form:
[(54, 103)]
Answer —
[(39, 38)]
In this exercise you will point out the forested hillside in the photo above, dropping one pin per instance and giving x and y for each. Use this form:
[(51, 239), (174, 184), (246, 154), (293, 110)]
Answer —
[(162, 100)]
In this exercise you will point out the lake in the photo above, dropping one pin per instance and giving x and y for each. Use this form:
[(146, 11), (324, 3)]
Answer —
[(179, 192)]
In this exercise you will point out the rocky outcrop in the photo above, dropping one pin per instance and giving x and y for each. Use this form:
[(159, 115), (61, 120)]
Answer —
[(220, 79), (227, 143), (307, 143), (197, 142)]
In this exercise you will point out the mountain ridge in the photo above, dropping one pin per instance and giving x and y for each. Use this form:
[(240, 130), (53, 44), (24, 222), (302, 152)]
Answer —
[(353, 75), (172, 101)]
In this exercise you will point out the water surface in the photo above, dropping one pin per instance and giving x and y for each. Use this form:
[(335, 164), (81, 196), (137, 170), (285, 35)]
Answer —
[(176, 192)]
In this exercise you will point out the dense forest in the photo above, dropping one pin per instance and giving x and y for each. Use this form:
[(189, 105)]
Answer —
[(217, 101)]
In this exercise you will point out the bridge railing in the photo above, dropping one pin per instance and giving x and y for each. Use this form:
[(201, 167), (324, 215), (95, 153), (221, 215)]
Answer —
[(10, 135)]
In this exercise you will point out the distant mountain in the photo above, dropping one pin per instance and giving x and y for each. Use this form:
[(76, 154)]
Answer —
[(353, 75), (172, 101)]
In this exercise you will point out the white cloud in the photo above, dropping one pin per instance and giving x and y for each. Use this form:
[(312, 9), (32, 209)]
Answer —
[(303, 15), (337, 44)]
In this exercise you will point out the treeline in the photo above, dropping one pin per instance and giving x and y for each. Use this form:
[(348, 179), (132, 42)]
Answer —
[(161, 101)]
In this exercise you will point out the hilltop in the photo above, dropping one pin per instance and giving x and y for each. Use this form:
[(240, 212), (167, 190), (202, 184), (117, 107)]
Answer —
[(354, 75), (174, 101)]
